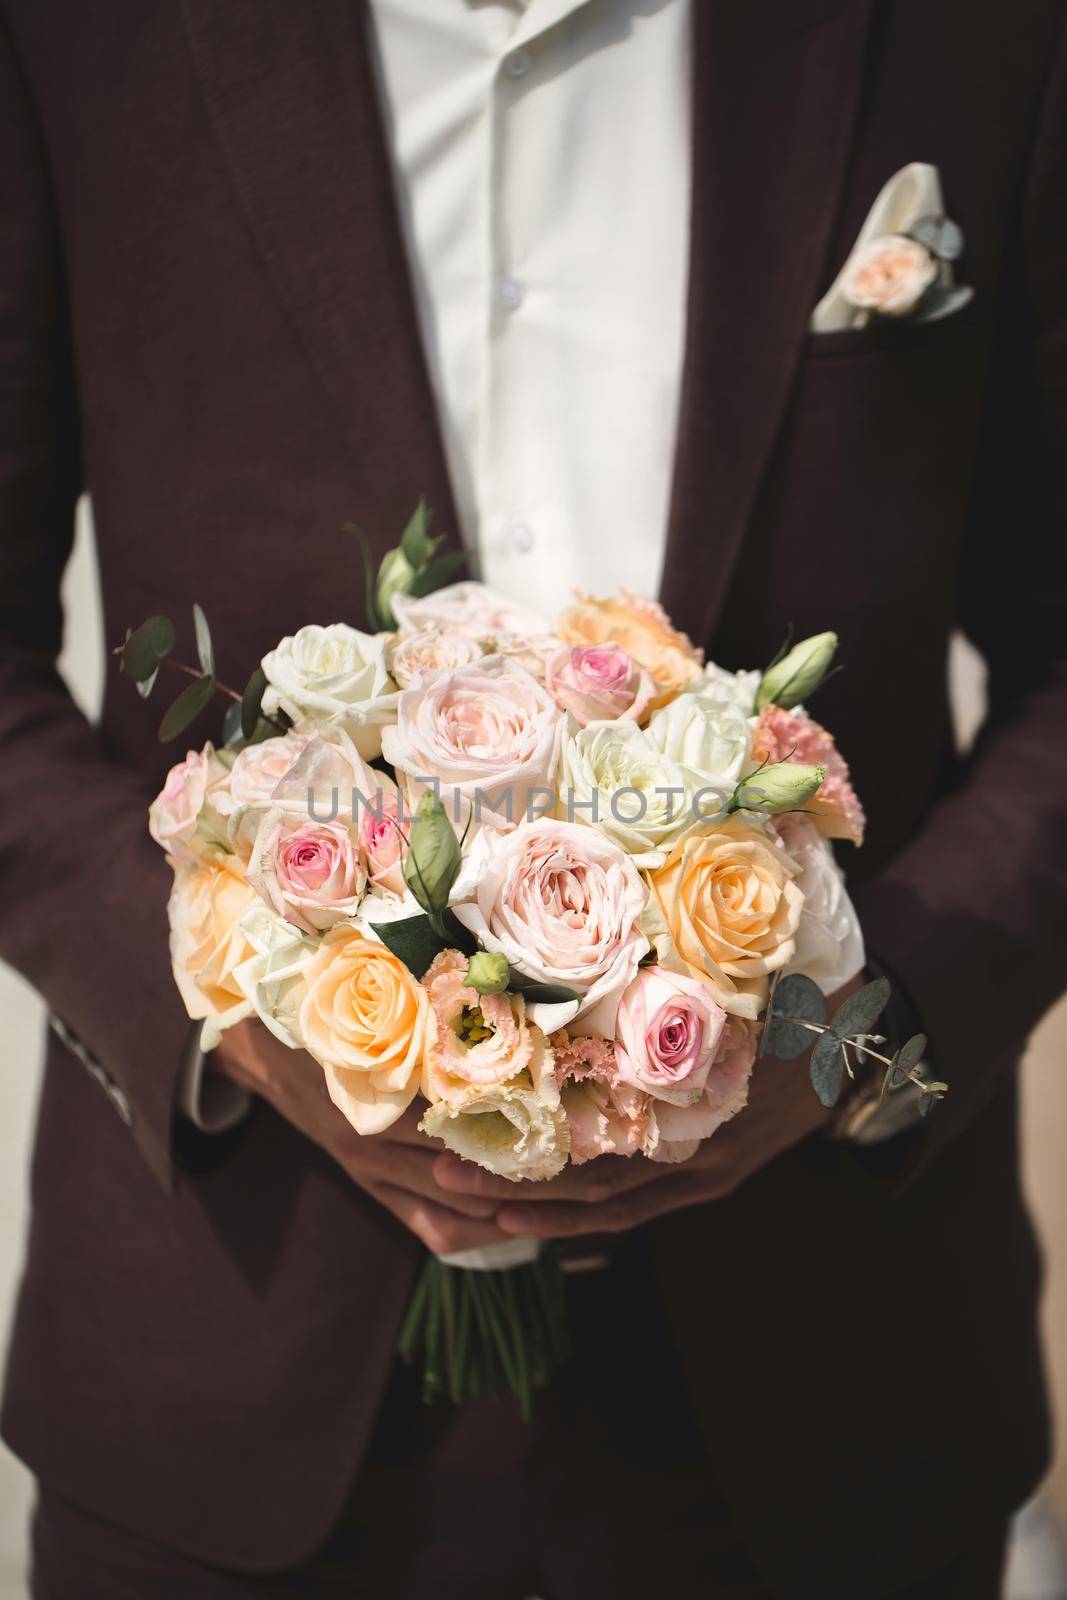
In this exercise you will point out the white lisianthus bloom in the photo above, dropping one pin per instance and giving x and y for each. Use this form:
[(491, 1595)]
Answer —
[(729, 688), (706, 731), (829, 943), (517, 1130), (613, 777), (333, 677), (272, 979)]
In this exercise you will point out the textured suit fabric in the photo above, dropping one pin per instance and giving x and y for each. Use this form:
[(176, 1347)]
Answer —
[(205, 319)]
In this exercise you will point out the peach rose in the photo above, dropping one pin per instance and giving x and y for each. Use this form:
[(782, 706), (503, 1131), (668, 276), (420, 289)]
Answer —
[(793, 736), (476, 1041), (364, 1018), (598, 683), (413, 656), (643, 629), (725, 907), (680, 1130), (889, 275), (207, 944)]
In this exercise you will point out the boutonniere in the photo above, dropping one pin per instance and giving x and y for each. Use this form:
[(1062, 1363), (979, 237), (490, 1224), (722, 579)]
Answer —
[(908, 275)]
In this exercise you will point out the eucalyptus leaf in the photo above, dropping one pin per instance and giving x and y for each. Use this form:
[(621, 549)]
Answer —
[(412, 939), (186, 708), (795, 997), (938, 303), (251, 701), (907, 1059), (437, 573), (828, 1069), (145, 686), (927, 231), (861, 1010), (231, 724), (146, 648), (950, 244), (204, 648)]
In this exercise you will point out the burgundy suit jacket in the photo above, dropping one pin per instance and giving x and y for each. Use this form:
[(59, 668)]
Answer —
[(206, 320)]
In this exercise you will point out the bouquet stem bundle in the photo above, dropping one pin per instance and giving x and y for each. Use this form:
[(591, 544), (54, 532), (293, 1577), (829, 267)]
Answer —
[(487, 1333)]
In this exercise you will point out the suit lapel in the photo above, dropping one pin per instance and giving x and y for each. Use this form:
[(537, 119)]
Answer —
[(776, 96), (291, 94)]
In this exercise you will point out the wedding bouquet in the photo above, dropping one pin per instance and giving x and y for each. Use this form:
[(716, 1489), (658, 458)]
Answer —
[(555, 879)]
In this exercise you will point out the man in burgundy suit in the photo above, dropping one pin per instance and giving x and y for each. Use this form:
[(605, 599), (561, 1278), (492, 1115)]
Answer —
[(811, 1368)]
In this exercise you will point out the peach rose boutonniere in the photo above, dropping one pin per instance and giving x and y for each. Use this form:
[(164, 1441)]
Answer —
[(725, 907), (364, 1018), (643, 629), (889, 275)]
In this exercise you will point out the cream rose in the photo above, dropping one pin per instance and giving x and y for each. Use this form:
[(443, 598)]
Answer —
[(889, 275), (471, 608), (642, 628), (563, 904), (412, 656), (271, 978), (706, 732), (725, 906), (488, 735), (364, 1019), (207, 942), (612, 777), (333, 677), (829, 946)]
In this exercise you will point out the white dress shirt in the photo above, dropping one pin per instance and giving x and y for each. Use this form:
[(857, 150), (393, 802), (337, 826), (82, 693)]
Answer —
[(543, 164), (542, 158)]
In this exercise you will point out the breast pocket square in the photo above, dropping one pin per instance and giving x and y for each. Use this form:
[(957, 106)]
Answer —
[(902, 266)]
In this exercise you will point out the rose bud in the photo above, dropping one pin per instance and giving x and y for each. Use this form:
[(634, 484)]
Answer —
[(799, 673), (488, 971), (433, 858), (783, 787)]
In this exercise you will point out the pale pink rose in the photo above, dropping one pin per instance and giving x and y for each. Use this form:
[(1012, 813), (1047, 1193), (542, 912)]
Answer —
[(413, 656), (598, 683), (679, 1130), (310, 872), (562, 903), (470, 607), (382, 843), (258, 770), (792, 736), (669, 1028), (529, 651), (174, 813), (889, 275), (477, 1041), (488, 735)]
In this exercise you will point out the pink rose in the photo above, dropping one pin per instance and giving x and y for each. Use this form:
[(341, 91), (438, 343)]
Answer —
[(258, 770), (488, 735), (598, 683), (889, 275), (174, 813), (669, 1028), (382, 844), (310, 872), (562, 903), (680, 1129), (792, 736)]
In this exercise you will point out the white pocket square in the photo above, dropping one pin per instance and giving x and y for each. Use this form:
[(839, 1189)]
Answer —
[(901, 263)]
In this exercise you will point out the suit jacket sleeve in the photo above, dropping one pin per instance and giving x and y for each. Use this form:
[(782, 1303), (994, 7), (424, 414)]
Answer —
[(972, 915), (84, 890)]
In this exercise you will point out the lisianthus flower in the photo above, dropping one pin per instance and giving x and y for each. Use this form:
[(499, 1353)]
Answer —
[(476, 1041), (793, 736)]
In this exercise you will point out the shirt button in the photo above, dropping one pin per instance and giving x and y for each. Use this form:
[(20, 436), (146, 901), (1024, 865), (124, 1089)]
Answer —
[(522, 537), (517, 64), (511, 293)]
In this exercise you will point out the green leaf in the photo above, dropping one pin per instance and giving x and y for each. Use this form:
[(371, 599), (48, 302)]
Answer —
[(861, 1010), (231, 724), (794, 997), (437, 573), (782, 651), (204, 648), (146, 648), (146, 685), (186, 708), (828, 1069), (251, 701), (548, 994), (413, 940), (907, 1059), (415, 541), (369, 575)]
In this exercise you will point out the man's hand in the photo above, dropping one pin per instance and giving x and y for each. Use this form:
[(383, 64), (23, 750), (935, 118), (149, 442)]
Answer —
[(395, 1167), (614, 1193)]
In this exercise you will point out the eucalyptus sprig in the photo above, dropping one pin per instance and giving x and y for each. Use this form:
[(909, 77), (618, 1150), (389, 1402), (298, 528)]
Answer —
[(148, 648), (797, 1010), (413, 567)]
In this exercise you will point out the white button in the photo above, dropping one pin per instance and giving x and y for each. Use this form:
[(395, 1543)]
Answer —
[(521, 536), (517, 64), (511, 293)]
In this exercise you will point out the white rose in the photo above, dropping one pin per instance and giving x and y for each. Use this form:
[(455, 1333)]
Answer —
[(613, 777), (272, 979), (829, 944), (472, 608), (706, 731), (333, 677), (889, 275)]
